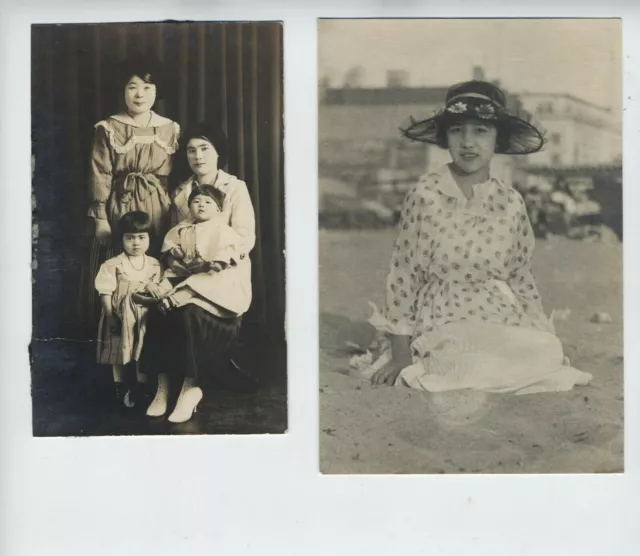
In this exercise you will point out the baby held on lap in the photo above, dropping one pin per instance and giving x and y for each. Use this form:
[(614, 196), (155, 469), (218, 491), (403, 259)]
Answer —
[(203, 243)]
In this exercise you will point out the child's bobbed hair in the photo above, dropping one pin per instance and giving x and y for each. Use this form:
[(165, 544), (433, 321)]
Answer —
[(208, 191), (134, 222)]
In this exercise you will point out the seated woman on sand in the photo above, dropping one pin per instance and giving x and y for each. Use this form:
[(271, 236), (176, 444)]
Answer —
[(462, 307)]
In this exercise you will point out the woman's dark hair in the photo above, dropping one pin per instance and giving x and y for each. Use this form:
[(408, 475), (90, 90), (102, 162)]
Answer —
[(212, 133), (134, 222), (146, 68), (208, 191), (502, 143)]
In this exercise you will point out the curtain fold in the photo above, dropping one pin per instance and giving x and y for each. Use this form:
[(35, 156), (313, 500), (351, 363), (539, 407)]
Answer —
[(227, 72)]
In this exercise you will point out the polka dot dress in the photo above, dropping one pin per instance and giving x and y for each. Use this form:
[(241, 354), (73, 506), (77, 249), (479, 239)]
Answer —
[(462, 260), (460, 286)]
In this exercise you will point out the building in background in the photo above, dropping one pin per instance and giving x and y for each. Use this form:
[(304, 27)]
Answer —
[(360, 144), (578, 133), (359, 137)]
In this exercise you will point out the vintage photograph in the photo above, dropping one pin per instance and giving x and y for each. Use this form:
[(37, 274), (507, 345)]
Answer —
[(158, 229), (470, 246)]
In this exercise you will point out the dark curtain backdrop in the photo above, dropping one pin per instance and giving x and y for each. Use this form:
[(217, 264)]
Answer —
[(229, 72)]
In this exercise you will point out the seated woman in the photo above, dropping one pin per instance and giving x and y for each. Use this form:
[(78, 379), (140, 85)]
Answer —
[(463, 309), (197, 322)]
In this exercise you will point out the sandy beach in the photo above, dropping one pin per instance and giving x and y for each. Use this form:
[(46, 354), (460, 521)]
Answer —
[(366, 429)]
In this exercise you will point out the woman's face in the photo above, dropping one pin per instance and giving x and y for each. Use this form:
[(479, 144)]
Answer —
[(472, 144), (203, 208), (139, 96), (202, 157)]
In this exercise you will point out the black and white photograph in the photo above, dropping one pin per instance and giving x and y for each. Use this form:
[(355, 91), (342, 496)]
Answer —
[(158, 229), (470, 246)]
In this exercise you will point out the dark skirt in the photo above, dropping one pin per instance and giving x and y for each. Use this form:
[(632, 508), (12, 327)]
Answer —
[(188, 342)]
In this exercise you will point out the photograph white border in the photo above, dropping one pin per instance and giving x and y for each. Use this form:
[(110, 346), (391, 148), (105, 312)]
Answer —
[(264, 494)]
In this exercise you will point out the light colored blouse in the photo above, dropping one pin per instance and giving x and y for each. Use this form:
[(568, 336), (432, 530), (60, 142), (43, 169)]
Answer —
[(120, 267), (457, 259), (237, 209)]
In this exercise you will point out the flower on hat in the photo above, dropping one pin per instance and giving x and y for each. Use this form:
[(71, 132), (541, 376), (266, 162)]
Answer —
[(457, 108), (485, 111)]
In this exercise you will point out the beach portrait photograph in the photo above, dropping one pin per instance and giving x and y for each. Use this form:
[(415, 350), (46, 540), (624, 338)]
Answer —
[(158, 229), (470, 246)]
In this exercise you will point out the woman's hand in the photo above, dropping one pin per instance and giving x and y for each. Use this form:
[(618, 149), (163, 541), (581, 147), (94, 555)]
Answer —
[(218, 266), (154, 289), (388, 374), (400, 359), (198, 266), (102, 230)]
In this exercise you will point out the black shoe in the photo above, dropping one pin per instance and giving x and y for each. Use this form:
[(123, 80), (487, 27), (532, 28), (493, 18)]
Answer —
[(237, 380), (142, 396)]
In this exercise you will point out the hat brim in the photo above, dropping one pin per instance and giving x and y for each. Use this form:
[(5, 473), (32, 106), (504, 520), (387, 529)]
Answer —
[(525, 136)]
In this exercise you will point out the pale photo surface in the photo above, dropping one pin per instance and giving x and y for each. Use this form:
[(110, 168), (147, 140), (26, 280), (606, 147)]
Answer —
[(470, 288)]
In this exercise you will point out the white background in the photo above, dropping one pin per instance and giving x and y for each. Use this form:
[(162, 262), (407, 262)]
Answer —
[(264, 495)]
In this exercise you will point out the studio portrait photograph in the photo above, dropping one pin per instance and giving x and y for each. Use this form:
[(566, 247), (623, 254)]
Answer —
[(158, 229), (470, 246)]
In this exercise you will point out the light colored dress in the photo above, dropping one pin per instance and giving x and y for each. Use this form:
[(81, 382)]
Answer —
[(118, 278), (229, 289), (461, 287)]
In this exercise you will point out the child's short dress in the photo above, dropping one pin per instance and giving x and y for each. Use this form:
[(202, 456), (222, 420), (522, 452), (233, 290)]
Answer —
[(118, 278)]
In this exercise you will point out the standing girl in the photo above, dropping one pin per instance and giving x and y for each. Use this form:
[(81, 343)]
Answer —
[(462, 306), (123, 322), (130, 164)]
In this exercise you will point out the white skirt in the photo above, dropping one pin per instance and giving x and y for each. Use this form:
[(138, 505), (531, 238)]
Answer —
[(481, 356)]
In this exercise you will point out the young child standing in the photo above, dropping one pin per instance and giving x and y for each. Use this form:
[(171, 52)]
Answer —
[(123, 320)]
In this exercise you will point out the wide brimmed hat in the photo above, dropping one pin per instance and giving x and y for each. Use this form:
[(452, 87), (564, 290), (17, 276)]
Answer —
[(482, 101)]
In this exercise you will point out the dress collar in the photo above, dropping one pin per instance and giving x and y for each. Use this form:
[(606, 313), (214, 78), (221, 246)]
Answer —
[(155, 121), (183, 191), (222, 179), (446, 184)]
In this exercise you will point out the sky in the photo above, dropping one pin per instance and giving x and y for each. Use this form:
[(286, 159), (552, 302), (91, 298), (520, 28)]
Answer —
[(582, 57)]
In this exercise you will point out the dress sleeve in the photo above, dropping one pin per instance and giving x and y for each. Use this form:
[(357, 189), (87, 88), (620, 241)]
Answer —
[(243, 221), (402, 282), (101, 176), (171, 239), (106, 281), (230, 240), (521, 279)]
